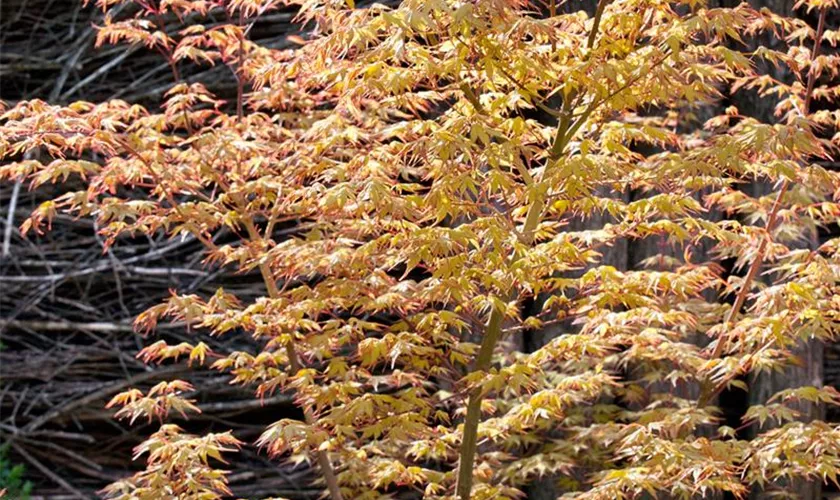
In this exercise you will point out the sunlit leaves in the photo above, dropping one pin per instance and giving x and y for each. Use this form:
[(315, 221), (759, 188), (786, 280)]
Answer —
[(157, 403), (178, 464), (407, 171)]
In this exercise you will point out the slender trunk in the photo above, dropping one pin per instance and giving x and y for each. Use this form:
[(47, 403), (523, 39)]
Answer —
[(492, 334), (295, 366), (566, 128), (711, 390), (811, 352)]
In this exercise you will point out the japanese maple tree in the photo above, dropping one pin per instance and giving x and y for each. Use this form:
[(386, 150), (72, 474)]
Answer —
[(405, 180)]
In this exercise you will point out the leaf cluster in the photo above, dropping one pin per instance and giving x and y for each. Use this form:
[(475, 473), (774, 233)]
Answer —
[(410, 177)]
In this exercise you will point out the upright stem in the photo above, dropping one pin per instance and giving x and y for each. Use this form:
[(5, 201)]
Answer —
[(552, 12), (712, 390), (295, 366), (492, 334), (271, 285), (469, 441), (566, 128), (173, 65), (240, 74), (599, 12)]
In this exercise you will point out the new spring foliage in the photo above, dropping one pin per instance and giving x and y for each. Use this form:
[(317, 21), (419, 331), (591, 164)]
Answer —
[(405, 179)]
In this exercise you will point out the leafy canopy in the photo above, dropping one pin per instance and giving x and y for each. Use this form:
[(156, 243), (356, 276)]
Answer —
[(408, 178)]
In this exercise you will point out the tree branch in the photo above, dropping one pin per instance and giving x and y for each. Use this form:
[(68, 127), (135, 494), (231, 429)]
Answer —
[(710, 391), (295, 366)]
